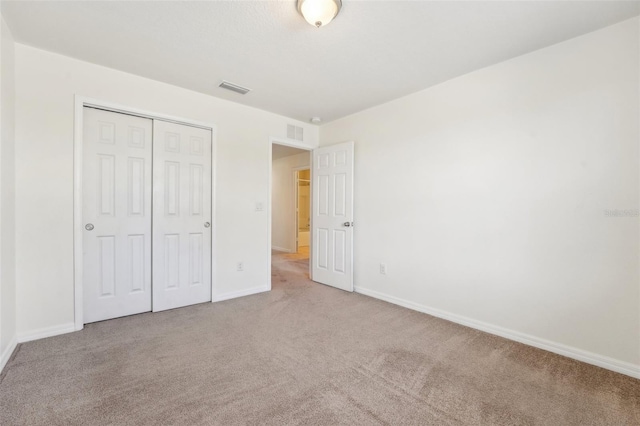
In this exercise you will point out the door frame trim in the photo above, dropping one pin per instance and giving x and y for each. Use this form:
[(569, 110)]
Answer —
[(78, 130), (294, 144)]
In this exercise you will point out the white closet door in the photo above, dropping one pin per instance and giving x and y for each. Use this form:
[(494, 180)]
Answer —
[(181, 215), (117, 215), (332, 222)]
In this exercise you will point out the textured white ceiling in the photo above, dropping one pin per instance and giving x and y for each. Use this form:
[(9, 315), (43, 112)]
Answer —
[(374, 51)]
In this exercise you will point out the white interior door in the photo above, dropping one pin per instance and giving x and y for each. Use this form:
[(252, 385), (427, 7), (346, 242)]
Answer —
[(117, 215), (332, 221), (181, 215)]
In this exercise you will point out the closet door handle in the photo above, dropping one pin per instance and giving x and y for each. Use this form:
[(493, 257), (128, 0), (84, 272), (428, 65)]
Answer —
[(207, 224)]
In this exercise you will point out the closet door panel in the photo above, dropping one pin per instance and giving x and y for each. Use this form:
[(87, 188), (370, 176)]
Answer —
[(116, 211), (182, 229)]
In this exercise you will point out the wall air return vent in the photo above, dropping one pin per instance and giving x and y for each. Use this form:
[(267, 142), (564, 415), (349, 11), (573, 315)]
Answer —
[(234, 87), (295, 132)]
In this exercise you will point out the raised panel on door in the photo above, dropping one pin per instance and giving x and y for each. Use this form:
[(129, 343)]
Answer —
[(332, 254), (182, 229), (196, 246), (106, 185), (321, 249), (107, 266), (116, 211), (136, 189), (137, 266)]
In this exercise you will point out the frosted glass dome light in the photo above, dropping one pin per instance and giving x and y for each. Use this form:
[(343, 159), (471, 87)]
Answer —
[(319, 12)]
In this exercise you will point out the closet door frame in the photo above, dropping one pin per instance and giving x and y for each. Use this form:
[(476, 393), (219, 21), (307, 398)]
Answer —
[(78, 220)]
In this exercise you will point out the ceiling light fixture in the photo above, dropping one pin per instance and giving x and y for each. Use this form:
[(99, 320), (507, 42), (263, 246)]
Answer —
[(316, 120), (319, 12)]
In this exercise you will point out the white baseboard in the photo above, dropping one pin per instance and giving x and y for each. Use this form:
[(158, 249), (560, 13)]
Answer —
[(284, 250), (240, 293), (8, 351), (46, 332), (612, 364)]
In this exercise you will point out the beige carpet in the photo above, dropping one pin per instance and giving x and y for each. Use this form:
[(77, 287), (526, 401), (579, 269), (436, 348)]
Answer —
[(303, 354)]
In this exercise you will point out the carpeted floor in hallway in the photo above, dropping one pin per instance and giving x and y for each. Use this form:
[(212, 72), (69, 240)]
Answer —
[(303, 353)]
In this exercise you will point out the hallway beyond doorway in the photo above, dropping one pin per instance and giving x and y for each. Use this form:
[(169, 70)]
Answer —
[(290, 261)]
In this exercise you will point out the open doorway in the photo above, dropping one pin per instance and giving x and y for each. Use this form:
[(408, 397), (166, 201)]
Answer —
[(330, 257), (290, 208)]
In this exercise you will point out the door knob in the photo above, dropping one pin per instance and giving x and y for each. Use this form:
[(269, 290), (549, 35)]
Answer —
[(347, 224), (89, 227), (207, 224)]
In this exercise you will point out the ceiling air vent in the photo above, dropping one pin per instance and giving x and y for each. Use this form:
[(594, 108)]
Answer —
[(234, 87), (295, 132)]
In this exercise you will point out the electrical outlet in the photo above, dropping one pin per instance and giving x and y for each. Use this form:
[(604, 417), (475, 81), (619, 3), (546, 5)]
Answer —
[(259, 207), (383, 269), (240, 266)]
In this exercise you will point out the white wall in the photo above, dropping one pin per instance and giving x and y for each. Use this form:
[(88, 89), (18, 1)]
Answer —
[(7, 200), (486, 197), (283, 233), (45, 87)]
